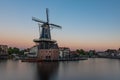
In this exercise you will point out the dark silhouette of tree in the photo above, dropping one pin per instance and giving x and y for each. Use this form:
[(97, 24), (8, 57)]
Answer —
[(81, 52), (10, 51), (13, 50)]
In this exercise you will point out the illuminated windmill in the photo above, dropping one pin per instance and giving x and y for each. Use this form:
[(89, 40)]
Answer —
[(47, 48)]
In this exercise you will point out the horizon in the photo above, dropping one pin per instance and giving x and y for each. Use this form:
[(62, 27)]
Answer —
[(88, 25)]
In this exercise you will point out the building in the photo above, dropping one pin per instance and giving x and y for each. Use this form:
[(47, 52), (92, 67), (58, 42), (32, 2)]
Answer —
[(3, 51), (64, 52), (47, 48), (74, 54), (32, 52), (102, 54), (110, 53)]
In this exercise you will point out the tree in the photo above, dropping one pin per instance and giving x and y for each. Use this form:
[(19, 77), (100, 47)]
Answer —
[(13, 50), (21, 52), (81, 52), (10, 50), (16, 50)]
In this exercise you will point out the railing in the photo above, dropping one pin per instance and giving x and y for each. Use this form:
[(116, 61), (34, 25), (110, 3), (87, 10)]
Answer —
[(37, 40)]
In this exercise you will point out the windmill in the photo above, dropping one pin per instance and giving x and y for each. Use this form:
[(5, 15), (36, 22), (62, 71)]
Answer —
[(47, 48), (45, 34)]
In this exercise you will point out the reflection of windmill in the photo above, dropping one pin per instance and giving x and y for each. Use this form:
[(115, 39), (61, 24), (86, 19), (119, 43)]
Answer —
[(46, 47)]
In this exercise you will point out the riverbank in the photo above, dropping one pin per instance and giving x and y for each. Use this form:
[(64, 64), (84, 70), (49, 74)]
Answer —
[(64, 59)]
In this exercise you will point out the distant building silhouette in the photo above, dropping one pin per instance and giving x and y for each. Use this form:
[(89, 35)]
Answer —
[(3, 51)]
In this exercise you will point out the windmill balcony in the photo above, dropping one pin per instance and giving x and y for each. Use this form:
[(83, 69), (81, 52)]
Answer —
[(43, 39)]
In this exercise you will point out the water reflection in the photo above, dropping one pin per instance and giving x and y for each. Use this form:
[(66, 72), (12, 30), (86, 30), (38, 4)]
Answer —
[(91, 69), (47, 70)]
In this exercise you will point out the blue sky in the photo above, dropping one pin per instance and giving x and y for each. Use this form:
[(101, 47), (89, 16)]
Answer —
[(87, 24)]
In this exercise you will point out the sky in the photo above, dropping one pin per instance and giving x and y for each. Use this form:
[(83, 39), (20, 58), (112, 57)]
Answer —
[(86, 24)]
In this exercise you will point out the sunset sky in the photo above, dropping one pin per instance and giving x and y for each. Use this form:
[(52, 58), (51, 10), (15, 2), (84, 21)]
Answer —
[(86, 24)]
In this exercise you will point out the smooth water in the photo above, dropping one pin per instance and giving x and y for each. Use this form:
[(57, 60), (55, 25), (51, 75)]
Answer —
[(91, 69)]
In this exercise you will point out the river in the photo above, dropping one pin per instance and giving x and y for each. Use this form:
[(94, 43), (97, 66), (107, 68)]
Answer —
[(91, 69)]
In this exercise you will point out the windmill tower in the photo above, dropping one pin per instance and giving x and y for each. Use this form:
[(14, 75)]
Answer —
[(47, 48)]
